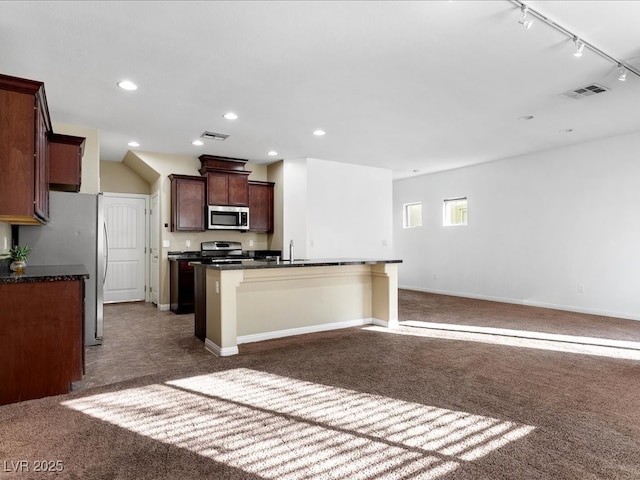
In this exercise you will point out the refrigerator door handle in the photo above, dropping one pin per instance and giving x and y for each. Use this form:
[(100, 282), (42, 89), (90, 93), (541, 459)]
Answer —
[(106, 253)]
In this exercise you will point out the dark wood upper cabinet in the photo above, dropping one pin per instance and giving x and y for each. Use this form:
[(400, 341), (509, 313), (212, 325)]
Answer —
[(261, 207), (24, 158), (227, 180), (238, 189), (217, 188), (65, 162), (188, 202)]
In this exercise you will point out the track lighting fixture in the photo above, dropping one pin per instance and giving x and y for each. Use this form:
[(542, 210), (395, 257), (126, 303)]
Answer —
[(622, 73), (524, 21), (579, 47), (528, 14)]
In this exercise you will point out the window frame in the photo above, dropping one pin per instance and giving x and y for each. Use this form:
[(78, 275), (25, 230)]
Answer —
[(406, 217), (447, 212)]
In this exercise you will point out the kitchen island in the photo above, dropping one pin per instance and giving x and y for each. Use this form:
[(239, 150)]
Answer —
[(251, 301)]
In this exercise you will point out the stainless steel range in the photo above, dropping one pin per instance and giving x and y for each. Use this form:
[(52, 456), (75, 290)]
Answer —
[(222, 252)]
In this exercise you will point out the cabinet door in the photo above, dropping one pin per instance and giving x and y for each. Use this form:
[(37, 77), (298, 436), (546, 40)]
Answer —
[(218, 188), (41, 353), (188, 201), (41, 205), (65, 162), (16, 155), (24, 165), (261, 207), (24, 188), (238, 190)]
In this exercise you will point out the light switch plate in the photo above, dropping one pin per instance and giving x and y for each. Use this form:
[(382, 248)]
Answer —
[(166, 244)]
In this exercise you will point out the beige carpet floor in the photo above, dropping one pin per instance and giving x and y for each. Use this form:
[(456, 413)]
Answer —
[(464, 389)]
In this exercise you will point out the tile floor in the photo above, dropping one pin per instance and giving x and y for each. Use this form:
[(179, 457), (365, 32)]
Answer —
[(141, 340)]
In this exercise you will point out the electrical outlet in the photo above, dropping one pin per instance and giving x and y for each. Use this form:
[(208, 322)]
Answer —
[(250, 242), (187, 243), (217, 286), (166, 244), (580, 288)]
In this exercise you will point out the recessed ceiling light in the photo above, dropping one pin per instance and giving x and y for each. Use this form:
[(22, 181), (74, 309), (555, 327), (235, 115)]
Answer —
[(127, 85), (197, 143), (133, 143), (230, 116), (319, 133), (272, 153)]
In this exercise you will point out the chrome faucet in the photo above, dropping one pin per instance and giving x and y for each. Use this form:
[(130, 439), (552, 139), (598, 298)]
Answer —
[(291, 251)]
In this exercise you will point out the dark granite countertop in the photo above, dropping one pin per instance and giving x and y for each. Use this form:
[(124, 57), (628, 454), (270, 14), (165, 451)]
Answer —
[(184, 256), (45, 273), (196, 256), (324, 262)]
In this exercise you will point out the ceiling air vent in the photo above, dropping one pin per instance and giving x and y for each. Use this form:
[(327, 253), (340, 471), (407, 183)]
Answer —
[(585, 91), (214, 136)]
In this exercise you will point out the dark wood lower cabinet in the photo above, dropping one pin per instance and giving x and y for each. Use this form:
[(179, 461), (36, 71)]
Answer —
[(41, 338), (181, 286)]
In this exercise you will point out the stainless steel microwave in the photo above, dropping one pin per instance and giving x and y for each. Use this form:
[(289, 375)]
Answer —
[(221, 217)]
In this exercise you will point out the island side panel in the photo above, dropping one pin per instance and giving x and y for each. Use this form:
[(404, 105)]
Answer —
[(385, 294), (279, 302), (221, 311)]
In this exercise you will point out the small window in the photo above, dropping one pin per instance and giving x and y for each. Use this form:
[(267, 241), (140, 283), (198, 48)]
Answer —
[(412, 215), (455, 211)]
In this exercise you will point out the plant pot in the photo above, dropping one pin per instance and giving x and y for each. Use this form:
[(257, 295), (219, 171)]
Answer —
[(18, 266)]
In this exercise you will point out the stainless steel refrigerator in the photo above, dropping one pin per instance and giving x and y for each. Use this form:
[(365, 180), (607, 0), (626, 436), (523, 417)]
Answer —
[(75, 235)]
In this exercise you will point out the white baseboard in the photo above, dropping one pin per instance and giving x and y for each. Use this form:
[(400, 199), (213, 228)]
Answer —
[(259, 337), (218, 351), (530, 303), (163, 307)]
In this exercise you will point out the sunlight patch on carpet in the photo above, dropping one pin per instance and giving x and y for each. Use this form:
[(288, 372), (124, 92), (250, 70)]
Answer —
[(279, 427), (600, 347)]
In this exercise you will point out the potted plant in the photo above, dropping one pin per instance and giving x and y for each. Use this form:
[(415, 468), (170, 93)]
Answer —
[(19, 255)]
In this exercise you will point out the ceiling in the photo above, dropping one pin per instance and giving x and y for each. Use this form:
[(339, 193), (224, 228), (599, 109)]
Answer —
[(416, 87)]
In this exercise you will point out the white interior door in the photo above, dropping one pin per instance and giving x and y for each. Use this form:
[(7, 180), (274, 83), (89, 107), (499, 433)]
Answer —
[(154, 250), (127, 226)]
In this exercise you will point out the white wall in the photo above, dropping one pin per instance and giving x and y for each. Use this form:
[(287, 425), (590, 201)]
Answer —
[(294, 205), (558, 229), (337, 210)]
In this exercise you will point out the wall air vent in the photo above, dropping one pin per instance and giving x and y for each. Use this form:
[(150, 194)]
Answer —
[(586, 91), (215, 136)]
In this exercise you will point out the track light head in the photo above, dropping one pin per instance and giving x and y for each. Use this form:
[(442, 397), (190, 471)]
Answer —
[(579, 47), (524, 21), (622, 73)]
